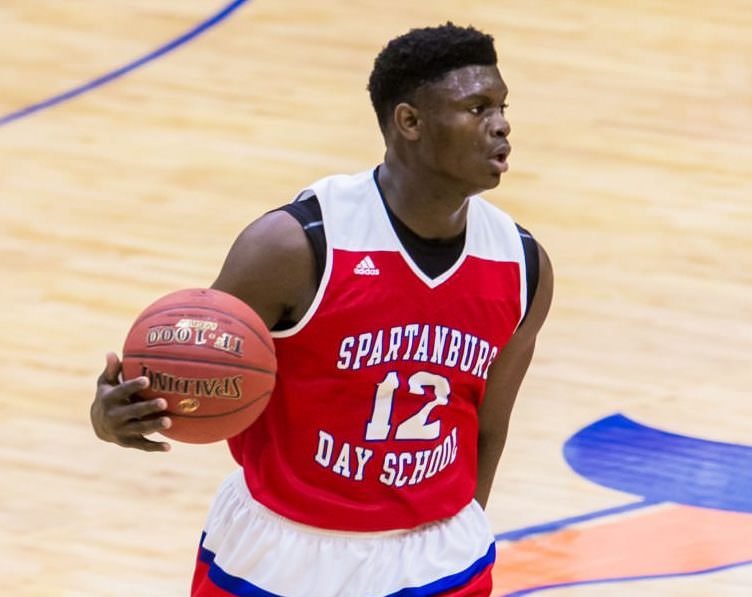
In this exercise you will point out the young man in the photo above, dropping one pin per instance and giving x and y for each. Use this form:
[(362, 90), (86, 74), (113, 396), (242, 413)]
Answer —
[(404, 310)]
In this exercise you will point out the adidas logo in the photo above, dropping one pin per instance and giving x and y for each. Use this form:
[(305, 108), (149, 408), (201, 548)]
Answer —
[(366, 267)]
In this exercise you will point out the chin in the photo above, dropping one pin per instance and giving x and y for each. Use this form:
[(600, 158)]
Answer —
[(490, 181), (480, 182)]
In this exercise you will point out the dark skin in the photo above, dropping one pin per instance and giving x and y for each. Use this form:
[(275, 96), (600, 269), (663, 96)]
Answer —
[(447, 143)]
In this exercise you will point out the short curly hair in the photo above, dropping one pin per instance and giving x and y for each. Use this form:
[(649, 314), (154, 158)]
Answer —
[(423, 56)]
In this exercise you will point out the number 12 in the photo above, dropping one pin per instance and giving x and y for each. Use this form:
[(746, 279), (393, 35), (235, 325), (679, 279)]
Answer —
[(417, 426)]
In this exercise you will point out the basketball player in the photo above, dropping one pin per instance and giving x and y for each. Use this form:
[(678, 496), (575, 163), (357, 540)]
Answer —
[(404, 310)]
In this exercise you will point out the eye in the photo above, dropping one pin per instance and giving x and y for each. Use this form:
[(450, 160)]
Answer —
[(477, 110)]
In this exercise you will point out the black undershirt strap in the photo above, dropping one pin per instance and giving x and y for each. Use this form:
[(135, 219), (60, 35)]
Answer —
[(308, 214), (530, 247)]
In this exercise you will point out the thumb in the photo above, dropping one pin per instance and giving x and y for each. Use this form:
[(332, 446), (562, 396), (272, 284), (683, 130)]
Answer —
[(111, 369)]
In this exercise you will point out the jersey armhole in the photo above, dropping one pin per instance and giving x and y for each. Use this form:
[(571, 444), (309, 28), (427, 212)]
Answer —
[(530, 248), (307, 211)]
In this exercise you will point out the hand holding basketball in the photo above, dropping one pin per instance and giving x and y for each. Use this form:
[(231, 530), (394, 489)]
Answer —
[(209, 355), (117, 418)]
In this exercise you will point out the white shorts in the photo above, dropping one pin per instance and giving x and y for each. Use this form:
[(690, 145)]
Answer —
[(249, 550)]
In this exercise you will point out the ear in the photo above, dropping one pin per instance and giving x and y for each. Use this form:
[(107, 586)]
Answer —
[(407, 121)]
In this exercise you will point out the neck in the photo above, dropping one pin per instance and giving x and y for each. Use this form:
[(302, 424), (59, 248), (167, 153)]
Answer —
[(427, 206)]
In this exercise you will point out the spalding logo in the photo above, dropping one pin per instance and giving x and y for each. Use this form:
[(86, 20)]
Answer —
[(229, 388)]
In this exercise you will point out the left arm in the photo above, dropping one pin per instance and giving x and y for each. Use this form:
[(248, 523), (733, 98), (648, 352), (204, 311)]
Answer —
[(504, 380)]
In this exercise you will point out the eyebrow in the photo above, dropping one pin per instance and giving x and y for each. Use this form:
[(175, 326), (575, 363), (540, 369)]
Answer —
[(476, 96)]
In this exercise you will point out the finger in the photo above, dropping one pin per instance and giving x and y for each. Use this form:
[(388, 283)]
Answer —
[(147, 445), (133, 411), (111, 370), (122, 393), (141, 428)]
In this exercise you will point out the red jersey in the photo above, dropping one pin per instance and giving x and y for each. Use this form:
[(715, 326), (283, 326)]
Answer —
[(373, 423)]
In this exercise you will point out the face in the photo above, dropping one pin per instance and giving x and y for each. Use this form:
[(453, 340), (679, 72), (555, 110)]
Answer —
[(463, 129)]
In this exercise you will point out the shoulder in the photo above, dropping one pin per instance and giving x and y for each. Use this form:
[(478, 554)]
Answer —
[(270, 266), (538, 267), (341, 188), (274, 237)]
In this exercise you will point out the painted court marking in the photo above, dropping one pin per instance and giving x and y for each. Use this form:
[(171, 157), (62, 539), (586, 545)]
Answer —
[(170, 46), (695, 515)]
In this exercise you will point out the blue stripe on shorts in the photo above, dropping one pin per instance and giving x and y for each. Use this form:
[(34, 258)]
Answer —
[(243, 588)]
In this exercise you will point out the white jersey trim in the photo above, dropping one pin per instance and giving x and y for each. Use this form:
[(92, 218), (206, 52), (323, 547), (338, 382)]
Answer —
[(359, 222)]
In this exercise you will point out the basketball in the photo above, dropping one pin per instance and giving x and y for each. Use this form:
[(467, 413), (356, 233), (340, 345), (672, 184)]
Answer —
[(209, 355)]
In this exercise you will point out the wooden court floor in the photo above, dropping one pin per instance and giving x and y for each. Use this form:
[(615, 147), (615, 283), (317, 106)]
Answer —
[(137, 139)]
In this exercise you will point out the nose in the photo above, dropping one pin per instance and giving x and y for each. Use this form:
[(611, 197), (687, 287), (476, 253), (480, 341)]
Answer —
[(500, 126)]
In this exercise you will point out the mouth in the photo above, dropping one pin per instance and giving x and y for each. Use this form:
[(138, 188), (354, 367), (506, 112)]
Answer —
[(501, 152), (499, 157)]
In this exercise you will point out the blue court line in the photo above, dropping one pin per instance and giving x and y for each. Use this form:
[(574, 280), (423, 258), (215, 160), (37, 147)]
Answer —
[(563, 523), (627, 579), (123, 70)]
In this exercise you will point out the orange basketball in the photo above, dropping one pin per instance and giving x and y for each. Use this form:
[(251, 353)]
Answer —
[(209, 355)]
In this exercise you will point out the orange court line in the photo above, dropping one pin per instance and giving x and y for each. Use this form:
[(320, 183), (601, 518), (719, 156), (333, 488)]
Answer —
[(666, 541)]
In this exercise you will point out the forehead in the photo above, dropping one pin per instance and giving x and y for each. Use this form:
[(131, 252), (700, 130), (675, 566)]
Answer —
[(468, 81)]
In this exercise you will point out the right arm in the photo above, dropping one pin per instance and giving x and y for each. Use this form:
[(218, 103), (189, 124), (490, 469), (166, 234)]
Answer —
[(271, 267)]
